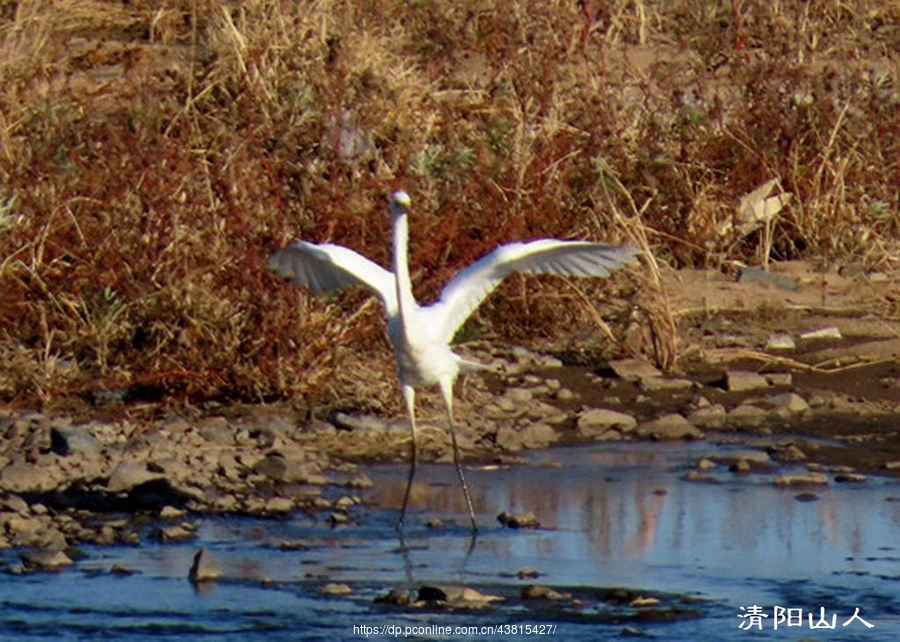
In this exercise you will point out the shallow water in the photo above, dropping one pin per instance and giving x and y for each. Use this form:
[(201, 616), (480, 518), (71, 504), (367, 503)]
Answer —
[(612, 515)]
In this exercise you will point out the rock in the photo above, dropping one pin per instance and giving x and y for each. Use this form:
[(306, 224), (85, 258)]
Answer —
[(205, 568), (179, 533), (779, 342), (779, 281), (743, 381), (22, 477), (395, 597), (740, 466), (831, 333), (457, 597), (564, 394), (697, 476), (790, 453), (806, 497), (789, 402), (533, 436), (643, 602), (660, 384), (710, 417), (596, 422), (435, 523), (747, 415), (634, 369), (706, 464), (545, 593), (68, 440), (850, 478), (279, 468), (127, 476), (671, 426), (528, 574), (335, 589), (779, 378), (279, 506), (45, 560), (519, 520), (802, 479), (170, 512)]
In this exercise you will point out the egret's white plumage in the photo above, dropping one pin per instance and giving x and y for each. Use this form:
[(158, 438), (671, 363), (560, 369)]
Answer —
[(421, 335)]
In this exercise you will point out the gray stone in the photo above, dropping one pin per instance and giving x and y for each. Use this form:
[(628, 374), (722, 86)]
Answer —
[(778, 281), (831, 333), (519, 520), (802, 479), (659, 384), (22, 477), (46, 560), (594, 423), (545, 593), (634, 369), (335, 589), (790, 402), (742, 381), (671, 426), (127, 476), (708, 417), (68, 440), (780, 341)]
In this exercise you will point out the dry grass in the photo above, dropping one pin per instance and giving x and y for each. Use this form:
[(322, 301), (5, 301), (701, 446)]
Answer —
[(153, 154)]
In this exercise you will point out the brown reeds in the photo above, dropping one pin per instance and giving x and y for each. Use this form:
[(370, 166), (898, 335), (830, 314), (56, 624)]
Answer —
[(153, 154)]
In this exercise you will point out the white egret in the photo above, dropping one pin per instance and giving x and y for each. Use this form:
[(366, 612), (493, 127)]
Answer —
[(421, 335)]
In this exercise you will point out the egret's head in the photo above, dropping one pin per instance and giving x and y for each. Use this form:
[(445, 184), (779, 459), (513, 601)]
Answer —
[(400, 201)]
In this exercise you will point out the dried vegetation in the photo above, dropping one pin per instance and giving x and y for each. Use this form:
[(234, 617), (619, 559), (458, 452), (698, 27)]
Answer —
[(152, 155)]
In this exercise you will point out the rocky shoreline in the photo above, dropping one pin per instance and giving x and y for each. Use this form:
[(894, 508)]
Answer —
[(66, 483), (820, 389)]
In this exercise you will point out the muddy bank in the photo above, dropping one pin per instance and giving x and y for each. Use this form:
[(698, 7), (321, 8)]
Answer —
[(811, 368)]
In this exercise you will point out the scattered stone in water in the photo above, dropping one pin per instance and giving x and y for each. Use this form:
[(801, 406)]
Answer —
[(644, 602), (697, 476), (740, 466), (660, 491), (170, 512), (121, 571), (801, 479), (806, 497), (790, 454), (519, 520), (850, 478), (596, 422), (528, 574), (435, 523), (294, 545), (545, 593), (335, 589), (178, 533), (706, 464), (632, 632), (279, 506), (395, 597), (45, 560), (711, 417), (671, 426), (205, 568)]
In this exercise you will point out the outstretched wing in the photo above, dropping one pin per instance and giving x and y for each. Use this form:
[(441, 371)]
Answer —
[(546, 256), (326, 268)]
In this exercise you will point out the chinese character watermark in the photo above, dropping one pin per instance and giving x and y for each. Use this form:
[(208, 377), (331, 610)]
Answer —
[(753, 617)]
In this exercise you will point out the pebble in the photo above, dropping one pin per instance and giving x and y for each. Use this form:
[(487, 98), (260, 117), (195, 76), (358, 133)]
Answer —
[(335, 589), (519, 520), (744, 381), (671, 426)]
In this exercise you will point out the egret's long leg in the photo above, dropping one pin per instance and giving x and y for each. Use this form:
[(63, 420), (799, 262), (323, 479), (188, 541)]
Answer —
[(409, 393), (447, 392)]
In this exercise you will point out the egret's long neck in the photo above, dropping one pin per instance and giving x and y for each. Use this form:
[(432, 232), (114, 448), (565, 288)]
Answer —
[(401, 263)]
